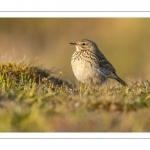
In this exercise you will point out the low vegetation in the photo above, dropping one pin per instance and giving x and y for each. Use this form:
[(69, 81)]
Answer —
[(33, 100)]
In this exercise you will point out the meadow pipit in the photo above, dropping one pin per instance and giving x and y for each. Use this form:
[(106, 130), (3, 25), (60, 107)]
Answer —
[(90, 66)]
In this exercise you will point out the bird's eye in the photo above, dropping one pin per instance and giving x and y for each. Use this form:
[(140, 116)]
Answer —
[(83, 43)]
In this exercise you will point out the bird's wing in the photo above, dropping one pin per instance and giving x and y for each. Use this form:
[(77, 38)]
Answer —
[(104, 63)]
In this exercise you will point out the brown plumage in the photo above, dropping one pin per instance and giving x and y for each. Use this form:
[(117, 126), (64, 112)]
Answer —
[(90, 66)]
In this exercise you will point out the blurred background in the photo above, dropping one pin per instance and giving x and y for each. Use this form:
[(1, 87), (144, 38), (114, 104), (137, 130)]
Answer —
[(45, 42)]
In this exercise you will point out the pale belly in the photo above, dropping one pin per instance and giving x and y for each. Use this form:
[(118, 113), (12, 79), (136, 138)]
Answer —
[(87, 73)]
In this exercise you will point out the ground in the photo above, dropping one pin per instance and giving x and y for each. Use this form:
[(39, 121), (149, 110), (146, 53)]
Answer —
[(31, 99)]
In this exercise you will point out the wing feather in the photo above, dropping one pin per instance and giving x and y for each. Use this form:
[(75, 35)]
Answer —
[(104, 63)]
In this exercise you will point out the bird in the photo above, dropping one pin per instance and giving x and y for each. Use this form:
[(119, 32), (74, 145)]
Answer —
[(90, 66)]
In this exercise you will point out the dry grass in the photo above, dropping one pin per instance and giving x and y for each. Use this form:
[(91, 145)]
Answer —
[(32, 100)]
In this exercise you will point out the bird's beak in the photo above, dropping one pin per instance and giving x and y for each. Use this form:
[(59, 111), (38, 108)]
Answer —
[(73, 43)]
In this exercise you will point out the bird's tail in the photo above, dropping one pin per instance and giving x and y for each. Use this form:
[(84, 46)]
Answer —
[(120, 80)]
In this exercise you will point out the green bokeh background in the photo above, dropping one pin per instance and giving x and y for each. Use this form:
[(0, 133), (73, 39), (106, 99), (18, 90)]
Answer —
[(124, 41)]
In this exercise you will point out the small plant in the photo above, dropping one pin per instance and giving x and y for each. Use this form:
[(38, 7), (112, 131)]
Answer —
[(33, 100)]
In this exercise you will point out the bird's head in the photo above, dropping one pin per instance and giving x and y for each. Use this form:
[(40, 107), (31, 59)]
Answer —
[(85, 44)]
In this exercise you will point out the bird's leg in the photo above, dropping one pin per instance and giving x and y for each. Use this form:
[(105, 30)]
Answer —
[(80, 88), (84, 90), (87, 89)]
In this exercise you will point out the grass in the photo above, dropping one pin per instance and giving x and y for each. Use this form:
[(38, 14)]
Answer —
[(32, 100)]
